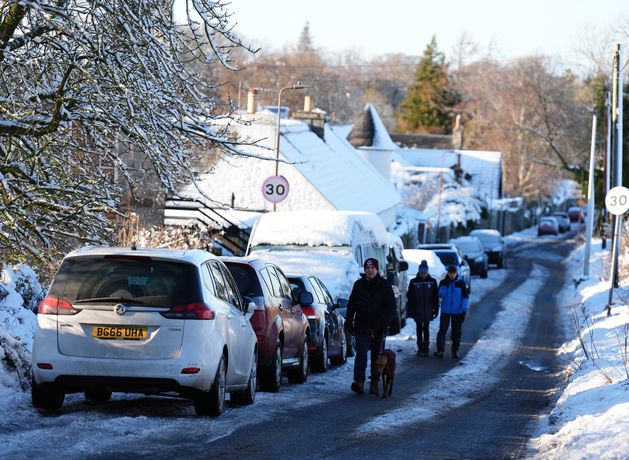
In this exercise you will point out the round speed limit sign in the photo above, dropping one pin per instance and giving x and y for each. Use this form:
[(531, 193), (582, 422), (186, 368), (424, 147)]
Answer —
[(617, 200), (275, 189)]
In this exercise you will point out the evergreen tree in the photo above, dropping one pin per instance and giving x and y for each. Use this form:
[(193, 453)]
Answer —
[(304, 45), (429, 101)]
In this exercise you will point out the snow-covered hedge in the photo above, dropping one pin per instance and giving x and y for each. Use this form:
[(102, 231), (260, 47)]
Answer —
[(20, 292)]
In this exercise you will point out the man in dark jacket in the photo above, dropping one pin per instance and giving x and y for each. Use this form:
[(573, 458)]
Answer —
[(423, 305), (454, 302), (370, 309)]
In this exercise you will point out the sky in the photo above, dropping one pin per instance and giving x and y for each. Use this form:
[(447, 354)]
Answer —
[(511, 29), (589, 420)]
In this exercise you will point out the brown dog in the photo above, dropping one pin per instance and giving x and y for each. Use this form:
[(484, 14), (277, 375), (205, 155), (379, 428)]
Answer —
[(385, 369)]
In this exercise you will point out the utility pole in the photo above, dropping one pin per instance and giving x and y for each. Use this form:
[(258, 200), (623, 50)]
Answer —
[(617, 103), (590, 205), (607, 166)]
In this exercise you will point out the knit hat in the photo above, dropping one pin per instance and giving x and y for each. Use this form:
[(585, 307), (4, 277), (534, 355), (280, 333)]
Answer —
[(371, 262), (452, 268), (423, 267)]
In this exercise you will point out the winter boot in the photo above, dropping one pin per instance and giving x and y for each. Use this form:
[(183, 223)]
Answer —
[(358, 387), (438, 354), (455, 355), (373, 387)]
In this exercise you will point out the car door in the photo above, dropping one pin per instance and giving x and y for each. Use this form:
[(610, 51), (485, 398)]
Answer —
[(230, 319), (333, 317), (284, 300)]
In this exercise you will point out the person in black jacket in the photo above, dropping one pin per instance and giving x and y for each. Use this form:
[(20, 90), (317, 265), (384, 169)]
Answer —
[(423, 305), (370, 309)]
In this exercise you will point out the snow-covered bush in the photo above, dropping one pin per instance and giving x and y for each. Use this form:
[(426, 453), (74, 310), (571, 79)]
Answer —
[(20, 291)]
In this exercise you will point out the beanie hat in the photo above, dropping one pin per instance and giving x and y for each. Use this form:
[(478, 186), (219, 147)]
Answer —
[(423, 267), (371, 262), (452, 268)]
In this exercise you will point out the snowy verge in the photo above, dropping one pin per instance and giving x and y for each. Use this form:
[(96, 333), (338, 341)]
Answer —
[(590, 419), (479, 370)]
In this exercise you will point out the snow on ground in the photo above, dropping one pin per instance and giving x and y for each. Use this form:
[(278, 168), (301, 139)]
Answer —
[(590, 419)]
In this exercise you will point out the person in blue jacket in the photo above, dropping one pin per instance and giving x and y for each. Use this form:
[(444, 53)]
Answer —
[(454, 302)]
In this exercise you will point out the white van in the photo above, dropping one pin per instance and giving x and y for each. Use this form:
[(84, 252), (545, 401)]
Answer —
[(331, 245)]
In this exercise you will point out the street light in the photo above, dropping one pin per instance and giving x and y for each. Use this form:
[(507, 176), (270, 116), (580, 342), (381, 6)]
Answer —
[(277, 128)]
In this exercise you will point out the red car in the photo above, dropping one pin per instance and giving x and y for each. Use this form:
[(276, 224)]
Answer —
[(575, 214), (280, 325), (548, 226)]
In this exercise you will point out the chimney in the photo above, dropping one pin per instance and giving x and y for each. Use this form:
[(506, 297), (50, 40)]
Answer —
[(307, 104), (252, 100), (314, 119), (457, 134)]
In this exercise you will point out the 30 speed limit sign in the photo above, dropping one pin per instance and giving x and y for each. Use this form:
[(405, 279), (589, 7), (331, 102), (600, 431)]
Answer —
[(275, 189), (617, 200)]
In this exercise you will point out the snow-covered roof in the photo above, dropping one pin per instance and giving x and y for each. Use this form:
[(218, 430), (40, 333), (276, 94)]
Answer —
[(343, 179), (485, 167), (370, 133)]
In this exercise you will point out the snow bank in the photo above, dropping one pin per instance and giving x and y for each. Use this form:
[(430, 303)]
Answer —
[(20, 292)]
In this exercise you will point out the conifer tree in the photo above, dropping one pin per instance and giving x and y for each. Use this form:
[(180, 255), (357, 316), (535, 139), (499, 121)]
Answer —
[(429, 101)]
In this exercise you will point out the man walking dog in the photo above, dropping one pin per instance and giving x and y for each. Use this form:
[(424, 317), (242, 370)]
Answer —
[(423, 305), (454, 302), (370, 309)]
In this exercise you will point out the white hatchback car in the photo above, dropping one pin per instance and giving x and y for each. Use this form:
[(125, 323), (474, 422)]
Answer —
[(145, 321)]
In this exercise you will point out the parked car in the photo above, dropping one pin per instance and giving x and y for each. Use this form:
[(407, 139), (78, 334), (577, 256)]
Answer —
[(474, 253), (144, 321), (548, 226), (563, 220), (280, 325), (493, 244), (575, 213), (327, 333), (396, 274), (449, 254)]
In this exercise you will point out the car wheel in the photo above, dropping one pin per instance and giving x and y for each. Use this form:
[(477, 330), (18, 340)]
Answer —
[(320, 361), (341, 358), (248, 395), (46, 396), (212, 402), (97, 395), (299, 374), (271, 376)]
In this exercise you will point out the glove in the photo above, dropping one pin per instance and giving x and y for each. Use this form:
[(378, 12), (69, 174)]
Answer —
[(463, 317)]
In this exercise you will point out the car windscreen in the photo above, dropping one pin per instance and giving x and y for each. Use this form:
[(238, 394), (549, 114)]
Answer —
[(447, 257), (142, 280), (468, 246), (487, 240), (246, 280)]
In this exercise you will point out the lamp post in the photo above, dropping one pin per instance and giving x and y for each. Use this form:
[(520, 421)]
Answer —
[(277, 128)]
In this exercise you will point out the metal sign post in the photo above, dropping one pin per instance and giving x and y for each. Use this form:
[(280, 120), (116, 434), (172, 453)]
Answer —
[(617, 203)]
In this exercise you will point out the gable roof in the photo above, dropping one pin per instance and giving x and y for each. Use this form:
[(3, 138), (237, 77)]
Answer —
[(330, 165)]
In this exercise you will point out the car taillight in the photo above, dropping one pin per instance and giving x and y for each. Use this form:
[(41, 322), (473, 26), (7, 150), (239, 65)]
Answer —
[(310, 312), (197, 310), (54, 306)]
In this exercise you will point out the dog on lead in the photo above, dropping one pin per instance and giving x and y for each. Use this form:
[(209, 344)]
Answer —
[(385, 370)]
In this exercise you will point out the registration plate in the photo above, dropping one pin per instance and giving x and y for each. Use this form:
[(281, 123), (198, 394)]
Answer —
[(120, 332)]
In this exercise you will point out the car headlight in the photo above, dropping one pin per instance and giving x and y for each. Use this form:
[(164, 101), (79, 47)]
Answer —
[(479, 259)]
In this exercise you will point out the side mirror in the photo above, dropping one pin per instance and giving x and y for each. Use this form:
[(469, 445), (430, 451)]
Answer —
[(305, 298), (403, 266), (342, 303), (251, 306)]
